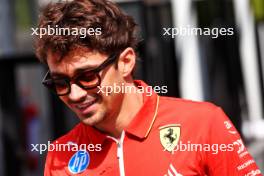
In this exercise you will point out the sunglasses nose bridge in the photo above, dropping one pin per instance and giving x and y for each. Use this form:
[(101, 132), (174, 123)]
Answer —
[(76, 92)]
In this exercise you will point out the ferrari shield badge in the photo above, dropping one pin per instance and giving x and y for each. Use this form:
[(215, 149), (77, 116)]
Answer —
[(169, 136)]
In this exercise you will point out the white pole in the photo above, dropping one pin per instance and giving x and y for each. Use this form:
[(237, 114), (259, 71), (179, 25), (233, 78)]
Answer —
[(245, 22), (191, 84)]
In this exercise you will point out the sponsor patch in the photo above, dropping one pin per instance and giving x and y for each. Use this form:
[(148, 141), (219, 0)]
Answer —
[(169, 136), (79, 162)]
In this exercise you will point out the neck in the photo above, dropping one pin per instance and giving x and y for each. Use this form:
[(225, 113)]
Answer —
[(131, 104)]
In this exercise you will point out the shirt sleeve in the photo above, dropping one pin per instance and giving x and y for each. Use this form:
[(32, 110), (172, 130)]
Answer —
[(228, 155), (47, 170)]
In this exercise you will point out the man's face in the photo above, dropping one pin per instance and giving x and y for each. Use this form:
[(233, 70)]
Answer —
[(91, 107)]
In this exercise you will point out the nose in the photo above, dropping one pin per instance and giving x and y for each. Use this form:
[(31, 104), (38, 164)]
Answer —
[(77, 93)]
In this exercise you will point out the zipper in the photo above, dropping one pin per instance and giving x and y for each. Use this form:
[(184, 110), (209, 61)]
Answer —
[(120, 154)]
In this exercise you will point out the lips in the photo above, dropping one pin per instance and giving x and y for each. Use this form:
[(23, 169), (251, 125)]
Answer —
[(83, 107)]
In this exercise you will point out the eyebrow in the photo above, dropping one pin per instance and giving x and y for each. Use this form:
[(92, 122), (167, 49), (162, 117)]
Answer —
[(76, 71)]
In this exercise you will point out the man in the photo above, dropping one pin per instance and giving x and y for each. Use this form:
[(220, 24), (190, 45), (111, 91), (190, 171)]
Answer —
[(126, 133)]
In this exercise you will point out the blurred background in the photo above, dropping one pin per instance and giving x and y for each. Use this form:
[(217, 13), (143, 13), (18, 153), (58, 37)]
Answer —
[(228, 71)]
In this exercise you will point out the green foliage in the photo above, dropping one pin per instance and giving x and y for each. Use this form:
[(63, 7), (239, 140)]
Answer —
[(22, 14), (258, 8)]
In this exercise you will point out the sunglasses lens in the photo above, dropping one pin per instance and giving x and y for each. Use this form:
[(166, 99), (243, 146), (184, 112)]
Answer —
[(89, 80), (61, 86)]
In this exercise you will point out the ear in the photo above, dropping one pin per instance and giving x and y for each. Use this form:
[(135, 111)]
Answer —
[(126, 62)]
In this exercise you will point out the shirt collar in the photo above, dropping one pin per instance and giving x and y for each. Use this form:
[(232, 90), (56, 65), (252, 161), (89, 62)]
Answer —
[(142, 123)]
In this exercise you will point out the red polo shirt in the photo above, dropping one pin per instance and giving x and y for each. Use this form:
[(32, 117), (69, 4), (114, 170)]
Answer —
[(167, 137)]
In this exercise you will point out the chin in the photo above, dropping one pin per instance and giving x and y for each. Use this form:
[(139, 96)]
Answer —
[(92, 119)]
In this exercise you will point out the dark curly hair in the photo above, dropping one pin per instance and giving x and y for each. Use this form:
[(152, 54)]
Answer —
[(118, 30)]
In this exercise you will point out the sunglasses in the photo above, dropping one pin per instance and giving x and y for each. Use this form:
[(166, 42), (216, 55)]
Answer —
[(87, 80)]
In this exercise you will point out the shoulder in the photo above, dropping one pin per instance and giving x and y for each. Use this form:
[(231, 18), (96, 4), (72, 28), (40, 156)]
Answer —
[(68, 139), (186, 107), (73, 134), (185, 102), (187, 112), (57, 150)]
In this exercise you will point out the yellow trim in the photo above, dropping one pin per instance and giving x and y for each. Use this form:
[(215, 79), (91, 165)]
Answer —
[(156, 111)]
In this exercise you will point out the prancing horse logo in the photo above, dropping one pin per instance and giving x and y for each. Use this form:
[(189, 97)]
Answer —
[(169, 136)]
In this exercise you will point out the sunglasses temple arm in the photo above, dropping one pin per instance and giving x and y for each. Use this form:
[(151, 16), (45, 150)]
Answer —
[(45, 77)]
